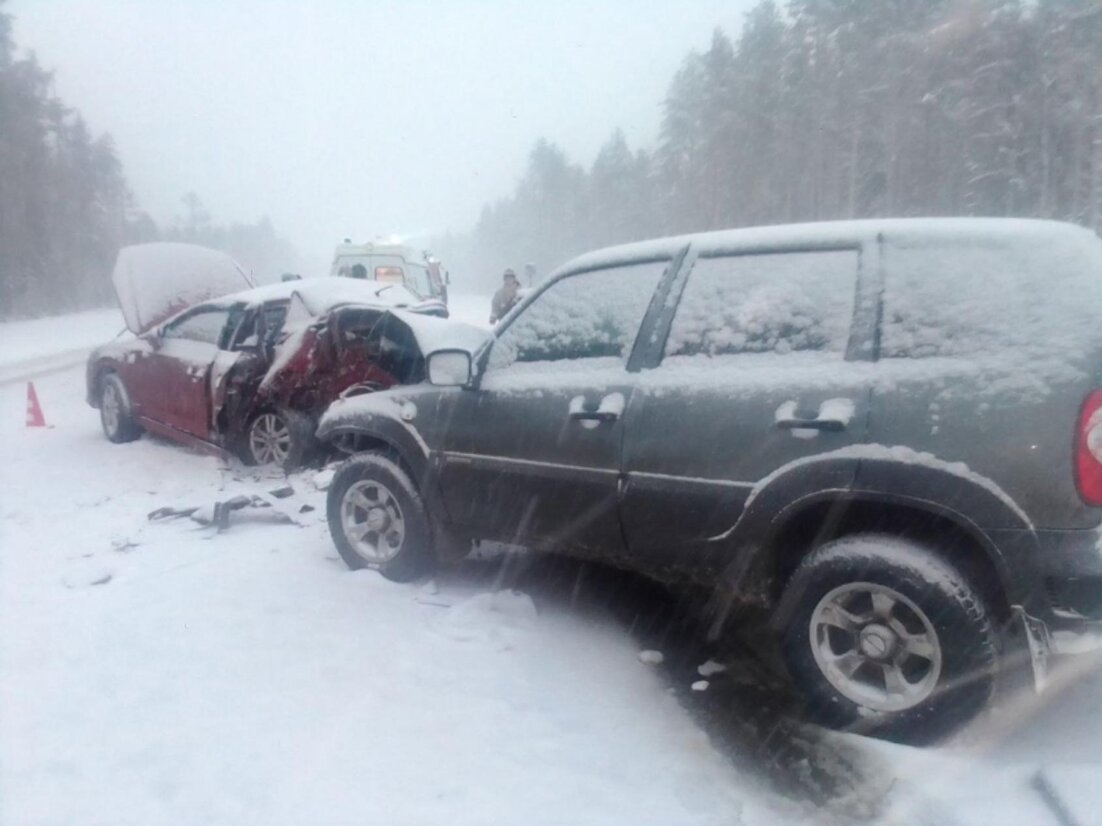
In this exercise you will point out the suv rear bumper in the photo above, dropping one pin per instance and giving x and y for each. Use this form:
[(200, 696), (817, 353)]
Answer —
[(1056, 576)]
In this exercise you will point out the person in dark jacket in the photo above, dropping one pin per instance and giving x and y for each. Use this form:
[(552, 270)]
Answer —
[(506, 298)]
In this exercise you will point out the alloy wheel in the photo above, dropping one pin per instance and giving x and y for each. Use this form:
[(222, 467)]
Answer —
[(875, 646), (372, 521), (269, 439), (110, 408)]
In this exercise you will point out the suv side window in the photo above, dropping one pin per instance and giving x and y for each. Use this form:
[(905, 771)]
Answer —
[(976, 298), (592, 315), (747, 305), (205, 325)]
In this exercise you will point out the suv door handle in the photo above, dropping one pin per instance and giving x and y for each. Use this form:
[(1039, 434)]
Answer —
[(833, 416), (829, 425), (594, 415), (609, 409)]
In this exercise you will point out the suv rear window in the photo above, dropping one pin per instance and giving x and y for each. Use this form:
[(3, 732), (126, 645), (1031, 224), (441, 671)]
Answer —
[(1030, 298), (774, 303)]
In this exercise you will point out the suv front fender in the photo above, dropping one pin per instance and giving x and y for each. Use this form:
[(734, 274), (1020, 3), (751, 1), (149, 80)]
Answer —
[(384, 430)]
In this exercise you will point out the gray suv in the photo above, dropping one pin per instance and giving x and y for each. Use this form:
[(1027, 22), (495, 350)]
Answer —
[(880, 441)]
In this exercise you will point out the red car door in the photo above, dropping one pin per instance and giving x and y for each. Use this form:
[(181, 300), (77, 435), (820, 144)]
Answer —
[(139, 372), (178, 370)]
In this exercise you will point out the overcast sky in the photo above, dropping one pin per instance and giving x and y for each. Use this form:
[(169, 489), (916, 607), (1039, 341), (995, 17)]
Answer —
[(358, 118)]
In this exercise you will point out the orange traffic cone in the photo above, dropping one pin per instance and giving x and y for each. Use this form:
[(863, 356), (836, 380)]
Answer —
[(34, 409)]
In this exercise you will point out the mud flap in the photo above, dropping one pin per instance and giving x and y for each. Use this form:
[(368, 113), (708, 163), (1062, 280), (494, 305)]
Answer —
[(1040, 646)]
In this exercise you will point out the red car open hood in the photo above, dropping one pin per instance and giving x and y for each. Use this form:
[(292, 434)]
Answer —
[(155, 281)]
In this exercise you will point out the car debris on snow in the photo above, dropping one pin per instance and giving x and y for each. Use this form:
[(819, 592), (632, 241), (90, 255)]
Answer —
[(169, 513), (651, 657), (86, 574), (700, 685), (323, 478), (217, 515)]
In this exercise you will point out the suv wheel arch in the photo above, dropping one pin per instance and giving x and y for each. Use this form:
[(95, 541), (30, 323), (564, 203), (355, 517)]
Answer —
[(354, 442), (451, 545), (807, 524)]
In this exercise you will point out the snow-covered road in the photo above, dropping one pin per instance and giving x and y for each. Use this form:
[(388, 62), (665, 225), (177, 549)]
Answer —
[(37, 346), (161, 672)]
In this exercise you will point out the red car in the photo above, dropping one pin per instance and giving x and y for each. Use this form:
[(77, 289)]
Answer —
[(219, 364)]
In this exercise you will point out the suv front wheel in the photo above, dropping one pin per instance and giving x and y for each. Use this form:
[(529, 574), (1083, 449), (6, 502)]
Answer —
[(377, 518), (888, 637)]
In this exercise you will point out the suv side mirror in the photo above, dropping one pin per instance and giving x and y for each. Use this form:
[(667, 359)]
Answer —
[(449, 368)]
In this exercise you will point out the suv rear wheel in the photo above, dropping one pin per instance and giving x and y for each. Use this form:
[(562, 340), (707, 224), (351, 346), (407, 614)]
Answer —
[(888, 637), (377, 518)]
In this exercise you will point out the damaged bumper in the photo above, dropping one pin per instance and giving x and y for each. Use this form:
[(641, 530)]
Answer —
[(1055, 575), (1056, 592)]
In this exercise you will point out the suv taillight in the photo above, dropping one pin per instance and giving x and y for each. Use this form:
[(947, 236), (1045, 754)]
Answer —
[(1088, 450)]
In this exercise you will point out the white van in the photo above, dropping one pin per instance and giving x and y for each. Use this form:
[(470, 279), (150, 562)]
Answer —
[(395, 263)]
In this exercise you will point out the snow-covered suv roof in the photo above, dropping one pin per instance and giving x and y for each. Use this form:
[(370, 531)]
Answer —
[(833, 232)]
